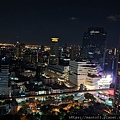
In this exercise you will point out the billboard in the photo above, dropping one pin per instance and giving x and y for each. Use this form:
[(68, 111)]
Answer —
[(111, 92)]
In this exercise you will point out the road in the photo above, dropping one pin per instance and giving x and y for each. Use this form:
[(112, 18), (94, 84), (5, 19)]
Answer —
[(55, 94)]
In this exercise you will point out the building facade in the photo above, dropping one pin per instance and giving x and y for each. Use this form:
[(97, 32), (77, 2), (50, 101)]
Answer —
[(117, 80), (94, 45), (4, 89), (58, 72), (4, 75), (83, 72), (74, 52), (54, 51)]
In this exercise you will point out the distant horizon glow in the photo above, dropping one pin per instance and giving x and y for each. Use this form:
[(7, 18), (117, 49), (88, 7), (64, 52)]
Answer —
[(36, 22)]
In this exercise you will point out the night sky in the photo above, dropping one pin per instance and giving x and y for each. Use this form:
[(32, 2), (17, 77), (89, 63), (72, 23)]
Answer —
[(36, 21)]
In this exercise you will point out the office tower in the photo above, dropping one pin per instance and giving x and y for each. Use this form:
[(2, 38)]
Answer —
[(42, 48), (63, 51), (110, 61), (117, 80), (64, 55), (54, 51), (4, 78), (19, 50), (94, 45), (74, 52)]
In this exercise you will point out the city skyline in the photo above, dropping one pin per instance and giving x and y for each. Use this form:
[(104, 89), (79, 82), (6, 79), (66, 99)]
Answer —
[(36, 22)]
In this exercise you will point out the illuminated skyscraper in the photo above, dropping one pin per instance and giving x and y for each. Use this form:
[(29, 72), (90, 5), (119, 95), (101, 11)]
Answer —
[(94, 45), (19, 50), (54, 47), (54, 51)]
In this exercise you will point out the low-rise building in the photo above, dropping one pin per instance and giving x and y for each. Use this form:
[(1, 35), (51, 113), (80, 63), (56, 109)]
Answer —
[(57, 71)]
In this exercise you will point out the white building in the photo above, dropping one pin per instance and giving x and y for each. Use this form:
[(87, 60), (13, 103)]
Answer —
[(92, 81), (4, 89), (105, 81), (28, 73), (84, 72), (57, 71)]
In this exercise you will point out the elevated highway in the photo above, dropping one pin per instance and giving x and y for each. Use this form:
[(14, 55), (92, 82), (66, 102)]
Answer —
[(57, 94)]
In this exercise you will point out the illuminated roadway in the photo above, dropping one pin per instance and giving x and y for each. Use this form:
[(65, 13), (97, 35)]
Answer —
[(54, 94)]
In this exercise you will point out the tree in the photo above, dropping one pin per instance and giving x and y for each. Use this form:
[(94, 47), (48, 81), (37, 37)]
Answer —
[(63, 98), (70, 98), (44, 109), (89, 96), (33, 117), (86, 95), (10, 117), (23, 109), (62, 113), (49, 98), (23, 103)]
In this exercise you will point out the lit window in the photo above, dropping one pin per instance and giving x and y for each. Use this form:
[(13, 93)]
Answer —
[(118, 72)]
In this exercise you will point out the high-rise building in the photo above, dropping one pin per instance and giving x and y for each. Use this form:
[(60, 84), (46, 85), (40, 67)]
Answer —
[(4, 89), (54, 51), (110, 61), (42, 48), (74, 52), (94, 45), (19, 50), (4, 74), (117, 80), (64, 55)]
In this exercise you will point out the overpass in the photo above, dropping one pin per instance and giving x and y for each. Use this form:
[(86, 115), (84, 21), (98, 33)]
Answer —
[(57, 94)]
